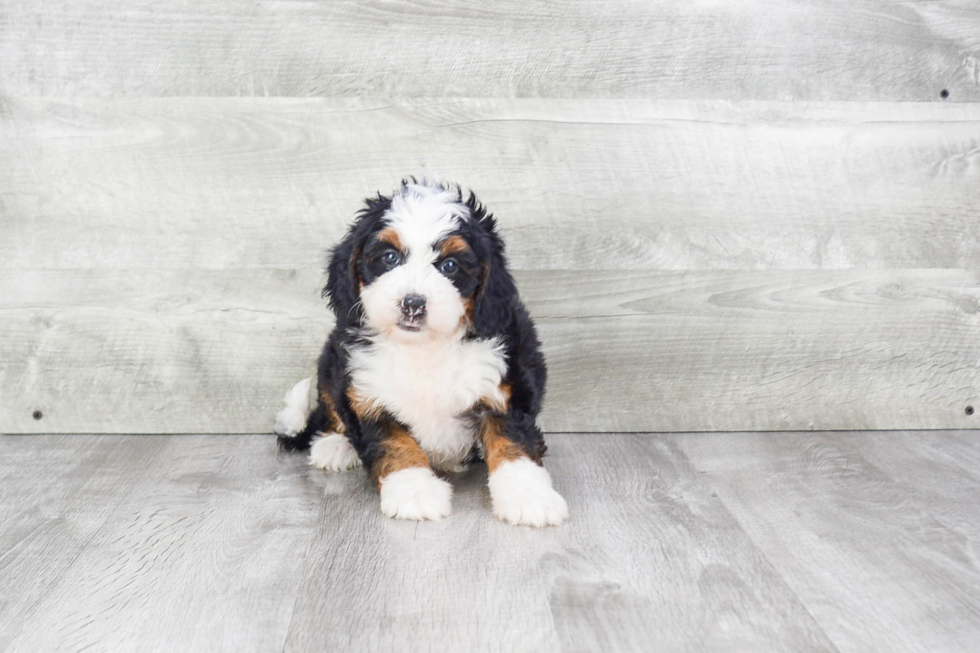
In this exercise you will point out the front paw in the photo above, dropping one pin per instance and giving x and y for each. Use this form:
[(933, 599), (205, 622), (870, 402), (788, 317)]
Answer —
[(415, 493), (521, 493)]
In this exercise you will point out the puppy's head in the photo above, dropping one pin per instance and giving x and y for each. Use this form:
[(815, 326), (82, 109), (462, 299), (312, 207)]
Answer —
[(422, 263)]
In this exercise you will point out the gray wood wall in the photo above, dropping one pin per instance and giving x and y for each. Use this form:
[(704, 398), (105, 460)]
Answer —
[(724, 216)]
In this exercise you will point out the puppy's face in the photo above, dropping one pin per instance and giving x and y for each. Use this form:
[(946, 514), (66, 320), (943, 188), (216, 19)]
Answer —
[(418, 273)]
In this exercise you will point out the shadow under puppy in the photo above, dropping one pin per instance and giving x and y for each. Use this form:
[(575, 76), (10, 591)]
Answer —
[(434, 361)]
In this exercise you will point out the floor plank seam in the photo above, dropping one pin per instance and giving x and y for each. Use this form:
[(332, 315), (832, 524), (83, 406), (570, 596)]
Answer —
[(762, 554)]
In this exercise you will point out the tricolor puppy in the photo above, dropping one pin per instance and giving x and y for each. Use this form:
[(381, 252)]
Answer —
[(433, 362)]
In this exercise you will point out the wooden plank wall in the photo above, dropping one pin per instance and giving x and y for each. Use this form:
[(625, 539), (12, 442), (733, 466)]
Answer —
[(724, 216)]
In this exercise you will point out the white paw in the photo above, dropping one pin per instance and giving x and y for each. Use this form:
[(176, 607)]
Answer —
[(334, 453), (415, 493), (521, 493), (291, 420)]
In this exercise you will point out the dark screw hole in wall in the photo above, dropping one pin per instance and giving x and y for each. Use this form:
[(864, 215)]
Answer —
[(38, 414), (969, 410), (944, 94)]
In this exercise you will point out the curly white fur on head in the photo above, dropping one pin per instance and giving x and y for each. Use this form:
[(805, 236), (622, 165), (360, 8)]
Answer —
[(421, 215)]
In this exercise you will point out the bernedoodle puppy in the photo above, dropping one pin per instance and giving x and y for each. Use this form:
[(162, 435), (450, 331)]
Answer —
[(433, 363)]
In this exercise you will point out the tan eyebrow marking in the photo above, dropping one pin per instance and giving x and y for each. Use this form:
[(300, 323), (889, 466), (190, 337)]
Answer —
[(453, 245), (390, 236)]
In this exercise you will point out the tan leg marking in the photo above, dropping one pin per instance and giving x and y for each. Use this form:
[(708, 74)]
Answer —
[(399, 451), (497, 447), (334, 422), (364, 407)]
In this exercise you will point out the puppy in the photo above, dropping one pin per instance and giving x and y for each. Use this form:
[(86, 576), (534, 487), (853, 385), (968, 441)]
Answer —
[(433, 362)]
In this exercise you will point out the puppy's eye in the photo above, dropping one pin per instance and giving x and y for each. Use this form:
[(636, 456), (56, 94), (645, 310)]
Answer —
[(448, 266), (390, 258)]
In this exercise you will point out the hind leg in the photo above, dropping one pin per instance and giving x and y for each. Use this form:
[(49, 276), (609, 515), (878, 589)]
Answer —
[(333, 452), (330, 450), (308, 421)]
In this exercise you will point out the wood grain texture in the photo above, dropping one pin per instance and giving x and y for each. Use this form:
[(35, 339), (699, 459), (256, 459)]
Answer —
[(804, 351), (223, 546), (937, 467), (822, 50), (205, 550), (214, 351), (58, 493), (680, 542), (862, 550), (661, 567), (576, 184)]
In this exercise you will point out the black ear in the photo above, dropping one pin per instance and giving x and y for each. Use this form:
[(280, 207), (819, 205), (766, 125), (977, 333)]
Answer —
[(493, 311), (343, 282), (341, 290)]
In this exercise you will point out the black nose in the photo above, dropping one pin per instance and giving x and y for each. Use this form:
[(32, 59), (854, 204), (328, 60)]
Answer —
[(413, 305)]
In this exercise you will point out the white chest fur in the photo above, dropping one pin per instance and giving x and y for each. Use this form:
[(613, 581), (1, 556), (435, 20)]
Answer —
[(428, 385)]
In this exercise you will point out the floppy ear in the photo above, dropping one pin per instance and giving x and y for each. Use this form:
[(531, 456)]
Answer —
[(343, 283), (493, 311), (341, 290)]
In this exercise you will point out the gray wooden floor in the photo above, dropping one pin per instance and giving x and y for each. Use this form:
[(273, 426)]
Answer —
[(690, 542)]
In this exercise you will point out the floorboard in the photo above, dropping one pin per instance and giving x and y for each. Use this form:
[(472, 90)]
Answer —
[(687, 542), (56, 493), (940, 468), (862, 549), (661, 567)]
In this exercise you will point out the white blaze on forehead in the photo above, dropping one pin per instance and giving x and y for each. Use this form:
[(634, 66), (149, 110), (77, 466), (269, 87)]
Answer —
[(423, 216)]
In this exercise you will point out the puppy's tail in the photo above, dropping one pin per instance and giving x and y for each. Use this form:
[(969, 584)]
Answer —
[(301, 418)]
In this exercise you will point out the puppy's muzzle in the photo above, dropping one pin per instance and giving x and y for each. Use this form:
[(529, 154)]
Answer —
[(413, 312)]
